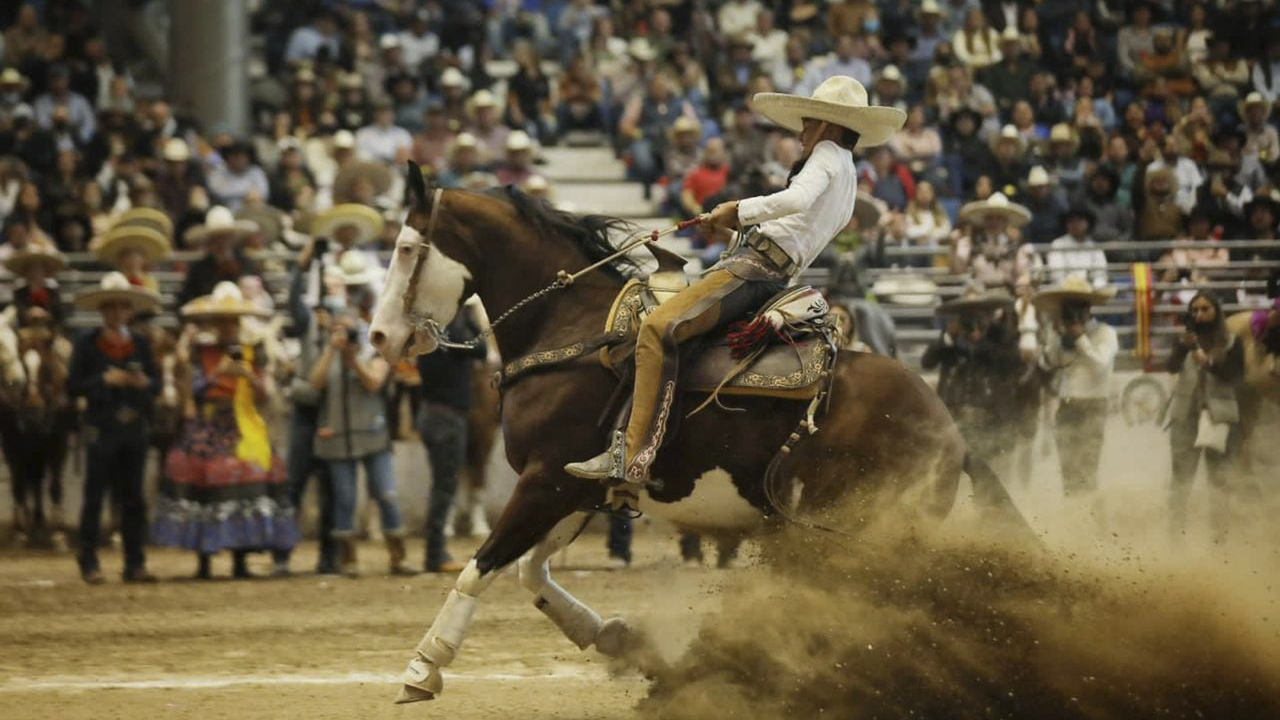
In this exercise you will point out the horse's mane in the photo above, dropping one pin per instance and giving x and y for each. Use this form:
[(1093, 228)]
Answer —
[(589, 233)]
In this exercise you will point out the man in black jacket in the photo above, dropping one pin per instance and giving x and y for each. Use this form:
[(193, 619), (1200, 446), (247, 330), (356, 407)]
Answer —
[(114, 371), (442, 423)]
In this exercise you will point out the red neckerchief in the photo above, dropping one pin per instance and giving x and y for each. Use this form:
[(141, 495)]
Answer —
[(229, 268), (114, 346), (38, 295), (136, 281)]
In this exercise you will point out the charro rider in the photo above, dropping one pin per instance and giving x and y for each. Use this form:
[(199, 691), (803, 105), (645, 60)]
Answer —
[(785, 232)]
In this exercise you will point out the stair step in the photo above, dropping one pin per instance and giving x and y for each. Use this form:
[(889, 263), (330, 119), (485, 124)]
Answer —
[(584, 164), (620, 199)]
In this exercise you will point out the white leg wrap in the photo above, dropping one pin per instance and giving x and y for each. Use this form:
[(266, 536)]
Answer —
[(578, 622), (441, 642)]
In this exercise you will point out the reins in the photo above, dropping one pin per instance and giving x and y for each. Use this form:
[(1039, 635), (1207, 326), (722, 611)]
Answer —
[(423, 322)]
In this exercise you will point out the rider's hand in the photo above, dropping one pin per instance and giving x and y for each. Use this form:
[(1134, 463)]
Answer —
[(775, 319), (723, 215)]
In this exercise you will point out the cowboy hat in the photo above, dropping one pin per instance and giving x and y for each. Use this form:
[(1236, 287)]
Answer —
[(1064, 133), (452, 77), (975, 299), (121, 237), (176, 150), (890, 73), (115, 287), (344, 140), (1253, 98), (52, 260), (839, 100), (366, 220), (353, 269), (803, 11), (535, 184), (519, 140), (12, 78), (905, 288), (226, 300), (641, 50), (219, 221), (930, 7), (685, 124), (146, 217), (1008, 133), (1073, 287), (1038, 177), (997, 204), (482, 99), (1010, 34)]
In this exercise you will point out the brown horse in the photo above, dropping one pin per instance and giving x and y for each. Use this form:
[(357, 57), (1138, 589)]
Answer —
[(1261, 370), (885, 429)]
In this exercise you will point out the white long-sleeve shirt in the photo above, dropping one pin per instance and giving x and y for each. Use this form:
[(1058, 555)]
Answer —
[(816, 206), (1069, 256), (1084, 372)]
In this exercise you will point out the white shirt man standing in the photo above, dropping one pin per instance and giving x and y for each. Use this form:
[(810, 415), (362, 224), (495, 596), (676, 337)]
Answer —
[(1075, 253)]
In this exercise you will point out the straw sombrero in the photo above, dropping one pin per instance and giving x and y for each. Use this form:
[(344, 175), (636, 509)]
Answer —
[(146, 217), (976, 300), (367, 221), (905, 288), (226, 300), (839, 100), (218, 221), (114, 286), (997, 204), (108, 247), (378, 175), (353, 269), (1064, 133), (52, 260), (866, 211), (1074, 287)]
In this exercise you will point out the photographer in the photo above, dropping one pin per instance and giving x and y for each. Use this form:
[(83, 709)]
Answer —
[(1204, 413), (352, 427), (1081, 353)]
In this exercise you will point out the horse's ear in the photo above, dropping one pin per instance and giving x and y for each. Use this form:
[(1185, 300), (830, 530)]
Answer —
[(415, 186)]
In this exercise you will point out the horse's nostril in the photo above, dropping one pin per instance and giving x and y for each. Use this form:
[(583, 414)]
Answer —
[(377, 337)]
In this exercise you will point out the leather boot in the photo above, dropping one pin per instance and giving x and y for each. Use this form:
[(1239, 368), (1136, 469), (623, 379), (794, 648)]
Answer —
[(347, 564), (605, 467), (396, 555)]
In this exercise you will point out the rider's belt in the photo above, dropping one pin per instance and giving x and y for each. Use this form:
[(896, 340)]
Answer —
[(770, 250)]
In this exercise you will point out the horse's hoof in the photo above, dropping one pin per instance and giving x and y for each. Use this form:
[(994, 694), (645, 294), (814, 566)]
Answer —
[(615, 637), (411, 694)]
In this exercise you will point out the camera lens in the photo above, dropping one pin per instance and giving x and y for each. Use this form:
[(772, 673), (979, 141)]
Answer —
[(353, 335)]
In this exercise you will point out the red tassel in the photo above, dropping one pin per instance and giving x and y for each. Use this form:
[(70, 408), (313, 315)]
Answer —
[(744, 337)]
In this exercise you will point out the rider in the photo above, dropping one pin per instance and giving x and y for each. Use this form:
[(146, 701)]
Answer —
[(787, 231)]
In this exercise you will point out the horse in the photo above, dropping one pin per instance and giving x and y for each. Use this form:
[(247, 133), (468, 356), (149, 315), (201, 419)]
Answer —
[(885, 430), (1261, 365)]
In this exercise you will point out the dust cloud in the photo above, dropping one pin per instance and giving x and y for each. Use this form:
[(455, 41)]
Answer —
[(956, 624)]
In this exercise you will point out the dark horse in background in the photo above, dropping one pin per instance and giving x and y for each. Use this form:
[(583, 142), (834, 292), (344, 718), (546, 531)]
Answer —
[(884, 429)]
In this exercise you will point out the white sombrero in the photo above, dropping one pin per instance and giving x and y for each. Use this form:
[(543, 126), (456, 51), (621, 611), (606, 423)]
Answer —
[(52, 260), (115, 287), (839, 100), (353, 269), (905, 288), (366, 220), (219, 221), (867, 211), (1073, 287), (997, 204), (226, 300)]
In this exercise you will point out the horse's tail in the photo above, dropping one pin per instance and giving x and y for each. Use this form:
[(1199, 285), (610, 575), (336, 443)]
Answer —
[(992, 497)]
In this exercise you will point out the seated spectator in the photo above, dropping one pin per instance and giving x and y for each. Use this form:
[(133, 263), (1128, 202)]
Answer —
[(383, 141), (431, 145), (1047, 203), (1185, 171), (1008, 79), (485, 125), (890, 88), (1081, 44), (737, 16), (990, 248), (976, 45), (1159, 216), (791, 71), (644, 124), (518, 165), (929, 33), (317, 41), (78, 114), (737, 69), (1004, 163), (681, 155), (1165, 62), (232, 179), (1042, 94), (529, 95), (706, 179), (1197, 35), (1260, 138), (354, 109), (1265, 78), (177, 176), (220, 236), (746, 141), (464, 158), (768, 42), (1185, 263), (886, 179), (1222, 197), (1062, 160), (407, 101), (580, 97), (1113, 220), (291, 175), (960, 91), (1221, 77), (917, 144), (1075, 253), (927, 223), (1195, 130), (850, 59), (967, 154), (1135, 40)]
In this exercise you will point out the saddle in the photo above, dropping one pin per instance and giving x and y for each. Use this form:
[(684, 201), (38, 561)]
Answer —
[(793, 369)]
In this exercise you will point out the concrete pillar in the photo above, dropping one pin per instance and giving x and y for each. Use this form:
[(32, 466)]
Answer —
[(208, 62)]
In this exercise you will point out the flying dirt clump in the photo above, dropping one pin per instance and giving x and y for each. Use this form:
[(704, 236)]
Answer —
[(899, 626)]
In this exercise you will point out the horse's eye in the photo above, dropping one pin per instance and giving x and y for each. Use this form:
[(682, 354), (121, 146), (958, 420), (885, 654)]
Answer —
[(406, 250)]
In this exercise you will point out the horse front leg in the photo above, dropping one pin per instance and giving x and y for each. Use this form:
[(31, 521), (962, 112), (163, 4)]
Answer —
[(537, 506)]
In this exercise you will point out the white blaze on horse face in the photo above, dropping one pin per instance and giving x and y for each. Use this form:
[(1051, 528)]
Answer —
[(714, 504), (440, 285)]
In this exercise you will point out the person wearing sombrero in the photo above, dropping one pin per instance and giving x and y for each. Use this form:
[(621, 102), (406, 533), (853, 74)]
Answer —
[(779, 236), (1260, 138), (992, 250), (36, 298), (977, 360), (221, 236), (224, 486), (1047, 203), (1075, 251), (113, 370), (1081, 353), (349, 227), (135, 242)]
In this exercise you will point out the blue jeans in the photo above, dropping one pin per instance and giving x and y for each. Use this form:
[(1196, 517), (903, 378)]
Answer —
[(382, 490)]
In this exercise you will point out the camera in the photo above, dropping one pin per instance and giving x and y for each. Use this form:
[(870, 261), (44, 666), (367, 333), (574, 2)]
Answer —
[(321, 246), (1068, 342), (353, 335), (235, 353)]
